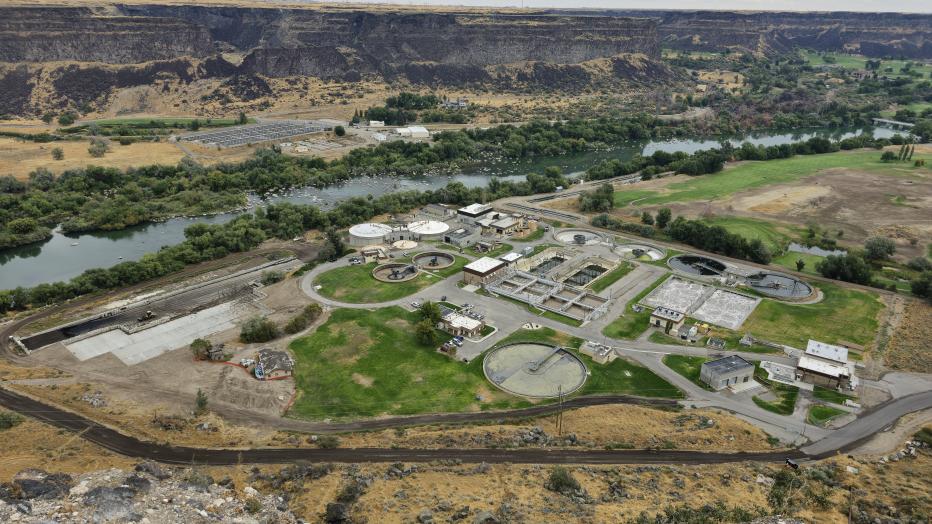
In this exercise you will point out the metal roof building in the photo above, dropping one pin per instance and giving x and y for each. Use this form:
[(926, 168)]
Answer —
[(726, 371)]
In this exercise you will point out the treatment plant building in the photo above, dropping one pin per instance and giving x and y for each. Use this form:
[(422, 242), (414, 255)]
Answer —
[(368, 234)]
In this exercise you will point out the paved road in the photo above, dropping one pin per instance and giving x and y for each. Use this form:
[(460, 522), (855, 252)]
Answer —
[(126, 445)]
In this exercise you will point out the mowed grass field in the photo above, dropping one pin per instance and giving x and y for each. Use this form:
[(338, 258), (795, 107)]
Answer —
[(689, 367), (630, 324), (364, 363), (751, 175), (842, 315), (356, 285), (788, 261), (775, 236), (617, 377)]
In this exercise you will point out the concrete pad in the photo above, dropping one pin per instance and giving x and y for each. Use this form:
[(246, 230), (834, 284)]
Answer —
[(149, 343), (678, 294), (726, 309)]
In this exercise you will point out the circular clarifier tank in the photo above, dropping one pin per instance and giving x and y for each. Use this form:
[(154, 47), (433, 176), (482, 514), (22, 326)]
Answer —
[(697, 265), (642, 252), (778, 285), (579, 237), (534, 370)]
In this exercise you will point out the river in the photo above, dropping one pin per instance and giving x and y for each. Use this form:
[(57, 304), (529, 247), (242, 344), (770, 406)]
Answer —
[(63, 257)]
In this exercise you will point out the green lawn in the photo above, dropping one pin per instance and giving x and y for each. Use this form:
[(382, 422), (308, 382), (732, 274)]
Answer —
[(624, 197), (830, 395), (366, 363), (859, 62), (786, 395), (611, 277), (687, 366), (842, 315), (775, 236), (819, 415), (356, 285), (630, 324), (788, 261), (619, 376), (751, 175), (537, 234)]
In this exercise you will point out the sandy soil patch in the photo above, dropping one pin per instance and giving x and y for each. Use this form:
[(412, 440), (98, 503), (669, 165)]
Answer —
[(596, 426), (32, 444), (781, 199), (19, 158), (908, 348), (363, 380)]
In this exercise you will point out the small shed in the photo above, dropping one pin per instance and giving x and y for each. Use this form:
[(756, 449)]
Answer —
[(670, 320), (726, 371)]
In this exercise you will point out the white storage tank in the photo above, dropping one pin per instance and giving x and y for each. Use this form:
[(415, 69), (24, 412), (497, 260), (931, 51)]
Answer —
[(368, 234), (428, 229)]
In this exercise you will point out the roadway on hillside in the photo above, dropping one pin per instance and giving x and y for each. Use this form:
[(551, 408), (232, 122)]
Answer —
[(132, 447)]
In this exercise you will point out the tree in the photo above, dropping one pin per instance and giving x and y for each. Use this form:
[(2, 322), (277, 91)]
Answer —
[(336, 243), (425, 333), (888, 156), (22, 226), (200, 348), (879, 248), (848, 267), (242, 118), (98, 147), (48, 117), (429, 311), (258, 329), (921, 286), (57, 153), (42, 179), (66, 119), (339, 131), (646, 218), (200, 403), (664, 215), (800, 264), (194, 125)]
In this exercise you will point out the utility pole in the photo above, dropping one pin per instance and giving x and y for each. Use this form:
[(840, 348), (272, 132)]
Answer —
[(560, 411)]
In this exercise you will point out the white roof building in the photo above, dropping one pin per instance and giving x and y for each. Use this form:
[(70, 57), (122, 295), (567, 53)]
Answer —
[(827, 351), (822, 367), (484, 265), (511, 257), (460, 321), (475, 210), (419, 132)]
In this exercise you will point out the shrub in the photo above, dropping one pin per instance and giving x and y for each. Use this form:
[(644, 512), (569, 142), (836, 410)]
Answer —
[(562, 481), (200, 403), (200, 347), (258, 329), (57, 153), (328, 441), (8, 419), (271, 277), (339, 131), (253, 505), (308, 315), (98, 148)]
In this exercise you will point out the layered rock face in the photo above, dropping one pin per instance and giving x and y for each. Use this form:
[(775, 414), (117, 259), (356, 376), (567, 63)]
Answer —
[(871, 34), (284, 42)]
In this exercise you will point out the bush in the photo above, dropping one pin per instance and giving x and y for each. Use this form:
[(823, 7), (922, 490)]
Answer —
[(271, 277), (258, 329), (98, 148), (57, 153), (879, 248), (200, 347), (253, 505), (328, 441), (339, 131), (308, 315), (200, 403), (8, 419), (562, 481), (66, 119)]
